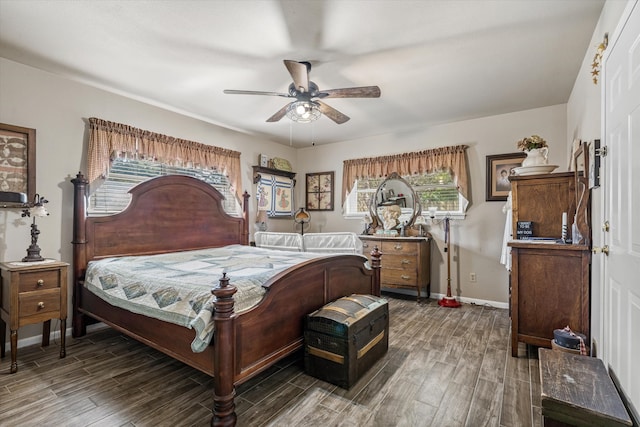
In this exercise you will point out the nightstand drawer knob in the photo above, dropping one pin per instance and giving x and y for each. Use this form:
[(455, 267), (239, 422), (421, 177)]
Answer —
[(398, 246), (41, 305), (40, 282)]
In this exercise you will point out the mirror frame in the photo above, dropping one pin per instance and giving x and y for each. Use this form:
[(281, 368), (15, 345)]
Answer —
[(373, 211)]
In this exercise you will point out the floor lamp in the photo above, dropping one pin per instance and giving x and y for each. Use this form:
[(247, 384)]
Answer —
[(448, 300)]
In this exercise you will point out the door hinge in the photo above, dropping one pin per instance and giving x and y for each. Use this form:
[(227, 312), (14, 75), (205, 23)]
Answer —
[(602, 151)]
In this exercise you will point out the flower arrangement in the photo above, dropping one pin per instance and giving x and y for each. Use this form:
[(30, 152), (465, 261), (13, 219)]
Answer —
[(531, 142)]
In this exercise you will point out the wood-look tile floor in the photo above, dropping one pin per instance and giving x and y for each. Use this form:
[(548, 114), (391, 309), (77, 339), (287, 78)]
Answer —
[(445, 367)]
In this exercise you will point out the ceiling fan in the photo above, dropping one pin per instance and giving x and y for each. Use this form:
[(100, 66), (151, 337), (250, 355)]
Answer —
[(308, 106)]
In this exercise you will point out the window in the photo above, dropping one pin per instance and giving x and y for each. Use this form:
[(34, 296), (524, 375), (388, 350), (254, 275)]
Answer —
[(112, 196), (432, 189)]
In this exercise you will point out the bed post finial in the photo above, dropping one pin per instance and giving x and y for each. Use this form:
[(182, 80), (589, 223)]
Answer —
[(375, 265), (223, 369)]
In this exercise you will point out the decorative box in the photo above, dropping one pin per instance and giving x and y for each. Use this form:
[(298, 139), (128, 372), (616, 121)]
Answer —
[(345, 338)]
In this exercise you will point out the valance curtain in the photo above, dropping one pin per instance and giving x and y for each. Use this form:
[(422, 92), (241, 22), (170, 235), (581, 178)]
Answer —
[(109, 140), (453, 159)]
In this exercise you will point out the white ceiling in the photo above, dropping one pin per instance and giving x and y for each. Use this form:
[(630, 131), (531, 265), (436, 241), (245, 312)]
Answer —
[(434, 61)]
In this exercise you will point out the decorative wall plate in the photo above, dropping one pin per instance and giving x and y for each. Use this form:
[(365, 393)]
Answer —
[(281, 164)]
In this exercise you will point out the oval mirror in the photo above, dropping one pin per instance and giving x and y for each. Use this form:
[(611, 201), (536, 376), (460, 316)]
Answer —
[(394, 204)]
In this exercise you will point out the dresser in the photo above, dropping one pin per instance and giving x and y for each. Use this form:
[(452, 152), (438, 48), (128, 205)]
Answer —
[(405, 262), (550, 282), (32, 293)]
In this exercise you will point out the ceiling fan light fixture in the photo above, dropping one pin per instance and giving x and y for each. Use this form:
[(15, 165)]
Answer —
[(304, 111)]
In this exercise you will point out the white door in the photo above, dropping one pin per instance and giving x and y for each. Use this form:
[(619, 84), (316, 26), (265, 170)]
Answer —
[(621, 187)]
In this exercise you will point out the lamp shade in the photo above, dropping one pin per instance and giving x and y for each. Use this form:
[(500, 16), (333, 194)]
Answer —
[(301, 216), (39, 211)]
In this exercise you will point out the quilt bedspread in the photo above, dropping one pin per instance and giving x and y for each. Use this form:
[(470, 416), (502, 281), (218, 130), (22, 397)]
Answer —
[(176, 287)]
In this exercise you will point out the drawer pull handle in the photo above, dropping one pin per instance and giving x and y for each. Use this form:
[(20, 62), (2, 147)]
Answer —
[(365, 245), (404, 277), (405, 261), (41, 304), (40, 282), (398, 246)]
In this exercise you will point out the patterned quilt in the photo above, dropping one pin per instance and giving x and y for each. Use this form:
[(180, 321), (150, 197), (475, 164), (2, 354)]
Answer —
[(176, 287)]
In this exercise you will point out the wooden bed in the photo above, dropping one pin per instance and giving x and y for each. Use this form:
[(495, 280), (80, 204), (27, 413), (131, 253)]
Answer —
[(177, 213)]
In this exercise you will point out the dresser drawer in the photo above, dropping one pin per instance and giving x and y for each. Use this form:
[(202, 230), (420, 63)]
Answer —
[(403, 262), (392, 276), (39, 302), (368, 245), (38, 280), (389, 248)]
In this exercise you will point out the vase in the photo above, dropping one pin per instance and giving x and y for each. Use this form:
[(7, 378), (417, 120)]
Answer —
[(536, 157)]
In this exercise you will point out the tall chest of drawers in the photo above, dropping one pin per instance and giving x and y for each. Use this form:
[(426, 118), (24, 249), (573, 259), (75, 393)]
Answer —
[(405, 262)]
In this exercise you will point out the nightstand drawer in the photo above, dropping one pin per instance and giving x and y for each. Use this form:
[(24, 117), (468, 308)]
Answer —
[(39, 302), (39, 280)]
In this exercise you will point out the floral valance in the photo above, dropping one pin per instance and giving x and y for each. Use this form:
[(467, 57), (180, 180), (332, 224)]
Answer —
[(452, 158), (109, 140)]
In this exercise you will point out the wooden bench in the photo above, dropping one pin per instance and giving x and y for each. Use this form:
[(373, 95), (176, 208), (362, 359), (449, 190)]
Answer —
[(577, 391)]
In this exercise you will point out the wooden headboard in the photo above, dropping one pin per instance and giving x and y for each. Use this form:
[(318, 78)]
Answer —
[(166, 214)]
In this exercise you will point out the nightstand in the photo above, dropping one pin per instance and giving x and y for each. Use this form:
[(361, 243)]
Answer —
[(32, 292)]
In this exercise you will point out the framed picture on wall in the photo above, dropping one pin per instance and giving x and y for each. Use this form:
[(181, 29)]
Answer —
[(18, 160), (499, 168), (319, 191)]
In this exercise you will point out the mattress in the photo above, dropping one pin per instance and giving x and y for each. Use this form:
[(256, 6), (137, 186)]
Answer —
[(176, 287)]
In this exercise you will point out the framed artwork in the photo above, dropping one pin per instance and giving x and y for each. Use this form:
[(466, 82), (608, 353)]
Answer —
[(499, 168), (580, 159), (275, 195), (18, 160), (319, 195)]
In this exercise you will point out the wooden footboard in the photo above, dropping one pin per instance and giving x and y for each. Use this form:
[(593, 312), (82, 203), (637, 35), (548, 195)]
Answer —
[(248, 343)]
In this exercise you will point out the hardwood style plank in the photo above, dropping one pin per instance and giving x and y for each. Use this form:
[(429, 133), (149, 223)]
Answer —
[(444, 367)]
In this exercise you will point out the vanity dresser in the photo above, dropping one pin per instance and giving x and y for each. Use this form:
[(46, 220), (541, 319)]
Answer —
[(405, 262)]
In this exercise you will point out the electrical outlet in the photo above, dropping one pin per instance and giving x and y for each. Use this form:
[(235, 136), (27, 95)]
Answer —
[(472, 277)]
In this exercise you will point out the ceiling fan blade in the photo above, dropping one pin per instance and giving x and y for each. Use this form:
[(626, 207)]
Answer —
[(352, 92), (279, 114), (332, 113), (255, 92), (299, 73)]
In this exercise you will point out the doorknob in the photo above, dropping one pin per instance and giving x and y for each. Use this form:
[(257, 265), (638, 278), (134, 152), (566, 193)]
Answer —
[(604, 250)]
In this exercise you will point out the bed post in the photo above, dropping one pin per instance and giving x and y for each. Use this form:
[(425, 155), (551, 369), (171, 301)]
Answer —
[(79, 249), (375, 265), (245, 216), (224, 414)]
